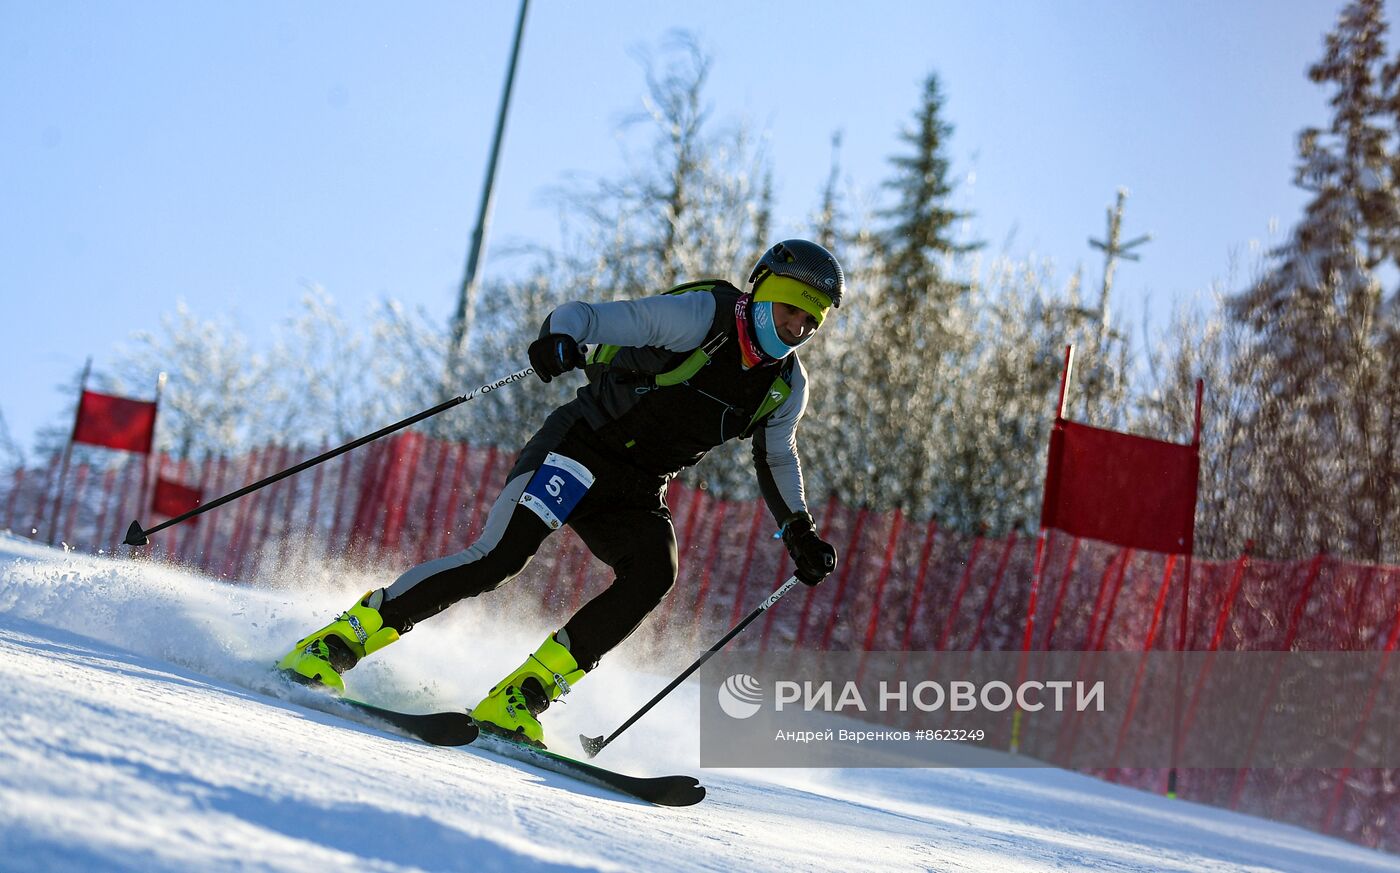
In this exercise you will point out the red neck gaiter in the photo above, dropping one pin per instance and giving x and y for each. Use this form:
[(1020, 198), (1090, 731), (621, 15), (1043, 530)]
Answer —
[(749, 350)]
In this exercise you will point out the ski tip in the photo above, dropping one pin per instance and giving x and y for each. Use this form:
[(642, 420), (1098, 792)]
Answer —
[(135, 536), (682, 791)]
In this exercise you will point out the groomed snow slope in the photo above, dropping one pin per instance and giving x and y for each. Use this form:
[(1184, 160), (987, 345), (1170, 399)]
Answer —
[(133, 736)]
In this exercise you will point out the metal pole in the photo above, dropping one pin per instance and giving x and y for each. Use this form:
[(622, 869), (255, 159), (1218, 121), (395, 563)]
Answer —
[(466, 298), (68, 455), (137, 536)]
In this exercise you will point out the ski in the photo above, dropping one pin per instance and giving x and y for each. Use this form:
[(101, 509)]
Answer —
[(660, 790), (434, 728), (458, 729)]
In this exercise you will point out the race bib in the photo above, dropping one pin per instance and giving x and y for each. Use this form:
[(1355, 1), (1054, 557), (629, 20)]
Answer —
[(556, 488)]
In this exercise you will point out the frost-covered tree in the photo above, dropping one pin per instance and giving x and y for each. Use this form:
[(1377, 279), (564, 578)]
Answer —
[(841, 453), (992, 443), (221, 394), (686, 206), (1323, 440), (1203, 342), (320, 357)]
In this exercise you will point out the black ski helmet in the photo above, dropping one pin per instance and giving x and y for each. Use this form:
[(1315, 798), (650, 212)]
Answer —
[(806, 262)]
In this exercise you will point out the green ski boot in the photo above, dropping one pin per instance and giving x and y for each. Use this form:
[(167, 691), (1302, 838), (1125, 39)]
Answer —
[(514, 704), (320, 658)]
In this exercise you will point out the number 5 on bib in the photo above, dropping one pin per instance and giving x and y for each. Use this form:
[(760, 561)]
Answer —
[(556, 488)]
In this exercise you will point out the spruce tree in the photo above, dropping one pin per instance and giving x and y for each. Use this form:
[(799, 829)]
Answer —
[(1320, 438), (913, 354), (828, 214), (922, 222)]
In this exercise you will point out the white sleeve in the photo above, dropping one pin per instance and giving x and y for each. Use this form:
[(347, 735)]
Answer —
[(678, 322), (775, 453)]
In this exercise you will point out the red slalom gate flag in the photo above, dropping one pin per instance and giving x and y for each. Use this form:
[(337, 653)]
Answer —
[(1119, 488), (173, 498), (115, 422)]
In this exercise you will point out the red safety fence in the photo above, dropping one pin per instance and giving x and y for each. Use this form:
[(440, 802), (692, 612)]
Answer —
[(902, 584)]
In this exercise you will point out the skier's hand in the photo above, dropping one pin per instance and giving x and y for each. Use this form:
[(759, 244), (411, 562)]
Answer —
[(815, 558), (554, 355)]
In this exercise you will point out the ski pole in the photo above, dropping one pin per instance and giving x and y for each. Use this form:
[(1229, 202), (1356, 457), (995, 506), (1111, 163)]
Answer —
[(138, 536), (593, 745)]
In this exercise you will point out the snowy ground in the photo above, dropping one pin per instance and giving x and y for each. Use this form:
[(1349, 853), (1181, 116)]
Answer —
[(134, 738)]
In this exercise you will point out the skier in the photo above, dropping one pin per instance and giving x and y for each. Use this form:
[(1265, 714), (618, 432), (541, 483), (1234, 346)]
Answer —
[(669, 378)]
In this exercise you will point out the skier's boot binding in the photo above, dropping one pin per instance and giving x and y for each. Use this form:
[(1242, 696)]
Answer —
[(514, 704), (320, 658)]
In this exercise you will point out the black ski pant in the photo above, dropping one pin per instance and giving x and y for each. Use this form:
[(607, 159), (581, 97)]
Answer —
[(621, 516)]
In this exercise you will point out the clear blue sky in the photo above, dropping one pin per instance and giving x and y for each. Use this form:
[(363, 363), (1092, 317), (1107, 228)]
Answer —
[(227, 154)]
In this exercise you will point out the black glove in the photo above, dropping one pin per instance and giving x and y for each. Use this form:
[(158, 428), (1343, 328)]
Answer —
[(554, 355), (815, 558)]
